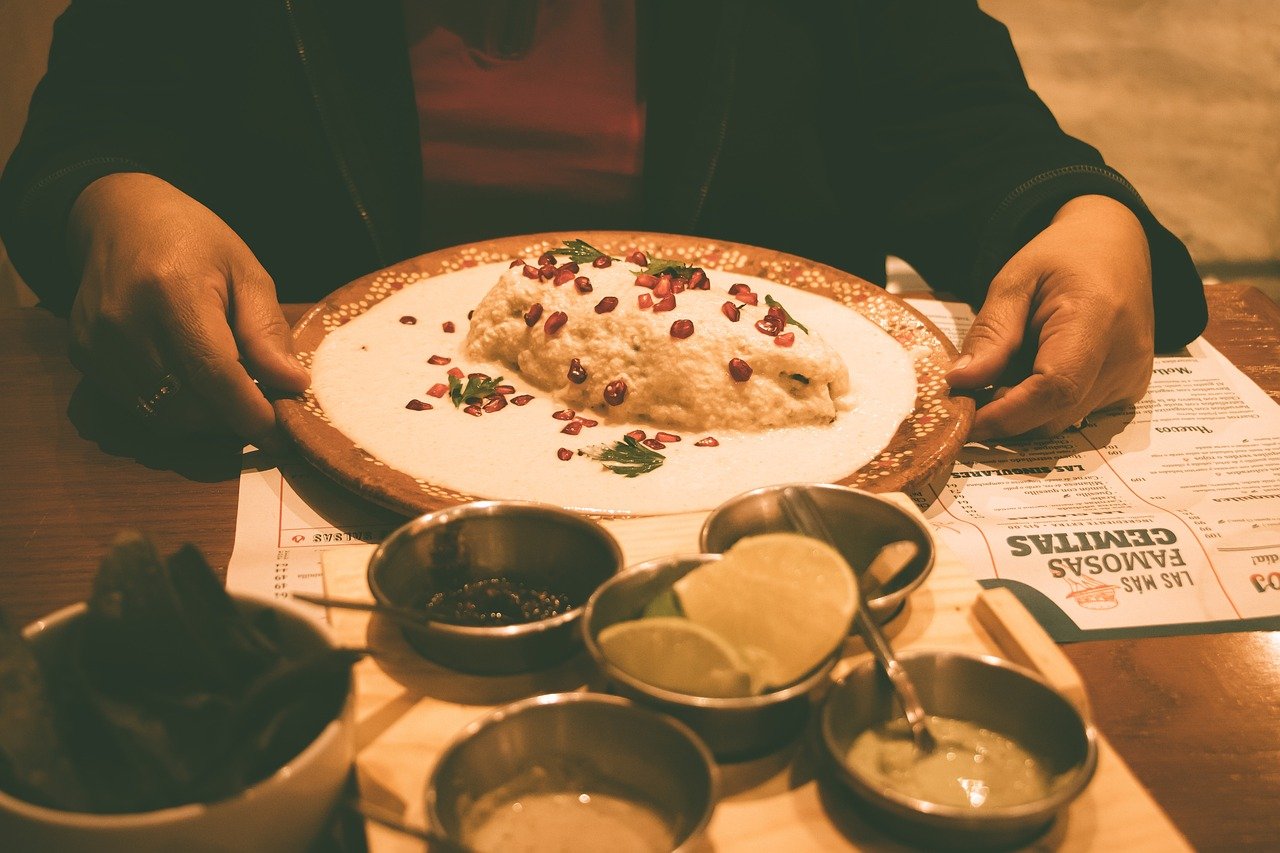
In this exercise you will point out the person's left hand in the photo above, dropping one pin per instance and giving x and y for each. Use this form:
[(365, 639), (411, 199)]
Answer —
[(1074, 302)]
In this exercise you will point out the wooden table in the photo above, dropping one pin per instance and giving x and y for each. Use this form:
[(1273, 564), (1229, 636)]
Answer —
[(1197, 718)]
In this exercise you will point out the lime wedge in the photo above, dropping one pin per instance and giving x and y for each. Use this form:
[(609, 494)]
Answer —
[(783, 601), (675, 654)]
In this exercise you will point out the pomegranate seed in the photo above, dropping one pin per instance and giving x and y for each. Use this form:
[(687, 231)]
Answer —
[(602, 262), (564, 415), (521, 400), (497, 404), (786, 339), (531, 316), (667, 437), (739, 370), (637, 434), (775, 311), (546, 258), (530, 272), (518, 262), (587, 422), (439, 359), (572, 428), (563, 276), (638, 258), (663, 288), (666, 303), (572, 265), (653, 444), (483, 377), (604, 306), (505, 389), (577, 374), (546, 272), (555, 322), (417, 405), (735, 289), (769, 325), (681, 328), (407, 320), (474, 411), (582, 284), (646, 280), (697, 280), (645, 301), (564, 454), (438, 390), (448, 326), (749, 298), (456, 372), (615, 392), (706, 442), (731, 311), (470, 314)]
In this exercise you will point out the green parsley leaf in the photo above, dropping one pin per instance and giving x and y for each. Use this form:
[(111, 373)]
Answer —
[(658, 266), (476, 388), (626, 457), (791, 321), (580, 252)]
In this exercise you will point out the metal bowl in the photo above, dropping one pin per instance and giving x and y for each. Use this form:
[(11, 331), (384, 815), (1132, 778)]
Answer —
[(990, 692), (542, 546), (575, 745), (736, 729), (861, 524)]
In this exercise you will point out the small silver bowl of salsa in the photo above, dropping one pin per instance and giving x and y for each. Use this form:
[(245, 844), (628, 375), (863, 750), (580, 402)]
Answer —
[(501, 583), (1012, 751), (573, 771)]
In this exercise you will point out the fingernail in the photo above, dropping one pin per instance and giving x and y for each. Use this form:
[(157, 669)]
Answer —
[(961, 363)]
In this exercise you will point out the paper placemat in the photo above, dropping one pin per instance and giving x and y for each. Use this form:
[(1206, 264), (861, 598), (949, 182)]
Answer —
[(408, 709)]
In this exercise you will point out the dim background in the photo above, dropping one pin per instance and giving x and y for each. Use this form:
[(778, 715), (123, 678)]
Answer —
[(1182, 96)]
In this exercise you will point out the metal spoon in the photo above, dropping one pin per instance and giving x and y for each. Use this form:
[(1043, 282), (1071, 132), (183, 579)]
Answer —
[(405, 615), (805, 517)]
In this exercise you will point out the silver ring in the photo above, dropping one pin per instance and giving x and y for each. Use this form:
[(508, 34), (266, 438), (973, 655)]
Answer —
[(147, 406)]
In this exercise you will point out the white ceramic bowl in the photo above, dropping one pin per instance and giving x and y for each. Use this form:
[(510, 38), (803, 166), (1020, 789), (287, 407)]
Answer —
[(284, 812)]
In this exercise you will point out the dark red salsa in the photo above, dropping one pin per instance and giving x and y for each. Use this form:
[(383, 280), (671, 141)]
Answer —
[(496, 601)]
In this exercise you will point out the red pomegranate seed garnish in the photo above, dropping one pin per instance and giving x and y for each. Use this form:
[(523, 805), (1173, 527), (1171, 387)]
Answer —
[(531, 316), (604, 306), (546, 272), (582, 284), (470, 314), (663, 288), (505, 389), (677, 287), (564, 454), (706, 442), (735, 289), (417, 405), (448, 326), (572, 265), (530, 272), (439, 359), (483, 377), (646, 280), (749, 298), (577, 373), (602, 262), (587, 422), (775, 311), (653, 444), (518, 262), (564, 415), (637, 434), (572, 428), (667, 437), (769, 325), (407, 320), (666, 303), (681, 328), (731, 311), (739, 370), (615, 392), (563, 276), (521, 400), (645, 301), (697, 280), (438, 390), (496, 404), (456, 372), (546, 258), (786, 339), (555, 322), (474, 411), (638, 258)]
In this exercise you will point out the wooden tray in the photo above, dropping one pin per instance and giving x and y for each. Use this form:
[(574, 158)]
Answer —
[(408, 709)]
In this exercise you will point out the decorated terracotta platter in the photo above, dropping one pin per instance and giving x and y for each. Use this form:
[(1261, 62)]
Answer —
[(618, 374)]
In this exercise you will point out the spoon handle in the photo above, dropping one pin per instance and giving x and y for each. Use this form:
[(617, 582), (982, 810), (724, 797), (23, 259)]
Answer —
[(398, 614), (805, 516)]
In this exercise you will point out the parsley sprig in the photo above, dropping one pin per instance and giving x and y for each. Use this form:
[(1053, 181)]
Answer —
[(580, 252), (475, 388), (791, 321), (626, 457), (658, 266)]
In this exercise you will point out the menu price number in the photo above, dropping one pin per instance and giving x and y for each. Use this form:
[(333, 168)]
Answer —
[(1270, 582)]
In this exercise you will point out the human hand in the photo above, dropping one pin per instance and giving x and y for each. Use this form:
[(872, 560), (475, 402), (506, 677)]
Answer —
[(171, 298), (1076, 302)]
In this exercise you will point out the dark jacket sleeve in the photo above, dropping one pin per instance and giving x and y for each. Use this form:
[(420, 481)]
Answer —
[(116, 71), (970, 162)]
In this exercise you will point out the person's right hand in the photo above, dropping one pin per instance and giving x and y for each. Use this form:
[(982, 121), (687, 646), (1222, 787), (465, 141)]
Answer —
[(168, 291)]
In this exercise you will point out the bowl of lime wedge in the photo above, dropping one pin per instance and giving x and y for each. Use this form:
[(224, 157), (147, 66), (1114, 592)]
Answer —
[(735, 645)]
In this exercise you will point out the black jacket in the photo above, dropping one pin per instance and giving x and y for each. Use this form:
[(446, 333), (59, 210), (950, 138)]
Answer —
[(840, 131)]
